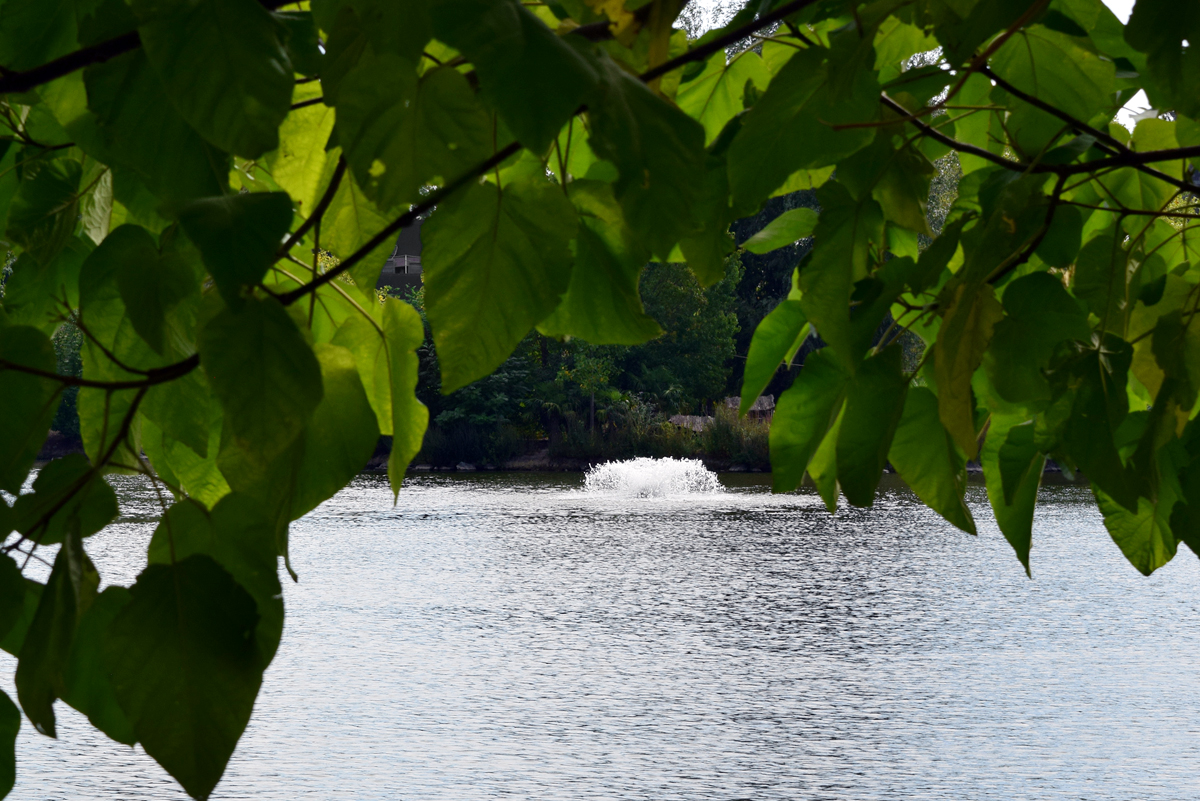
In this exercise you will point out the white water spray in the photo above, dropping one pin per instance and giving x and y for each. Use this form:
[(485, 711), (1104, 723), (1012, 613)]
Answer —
[(652, 478)]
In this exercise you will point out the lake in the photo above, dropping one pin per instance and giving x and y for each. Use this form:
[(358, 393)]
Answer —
[(512, 636)]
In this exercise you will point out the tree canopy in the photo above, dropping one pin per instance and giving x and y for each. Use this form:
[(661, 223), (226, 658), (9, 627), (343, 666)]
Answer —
[(171, 171)]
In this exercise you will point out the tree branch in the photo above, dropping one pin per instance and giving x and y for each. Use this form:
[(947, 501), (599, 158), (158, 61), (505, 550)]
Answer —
[(159, 375)]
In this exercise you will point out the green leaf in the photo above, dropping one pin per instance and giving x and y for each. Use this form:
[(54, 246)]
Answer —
[(151, 285), (409, 417), (1039, 313), (225, 67), (803, 416), (966, 332), (67, 497), (299, 163), (1060, 245), (496, 263), (47, 645), (846, 235), (1100, 406), (822, 468), (775, 341), (44, 211), (15, 638), (238, 236), (874, 405), (400, 28), (897, 178), (1143, 536), (349, 223), (1012, 470), (659, 153), (182, 408), (33, 32), (602, 304), (1135, 189), (10, 726), (535, 79), (87, 685), (1059, 70), (929, 462), (186, 667), (784, 230), (39, 294), (1101, 281), (264, 374), (177, 463), (341, 435), (27, 403), (142, 131), (242, 541), (12, 593), (717, 95), (399, 133), (788, 129), (303, 43), (1160, 28)]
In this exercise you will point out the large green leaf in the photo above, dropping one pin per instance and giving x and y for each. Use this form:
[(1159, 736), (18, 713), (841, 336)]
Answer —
[(535, 79), (788, 129), (1058, 69), (602, 304), (1014, 455), (1100, 406), (803, 416), (874, 404), (1039, 313), (1160, 28), (659, 153), (964, 337), (410, 417), (225, 67), (43, 656), (927, 459), (775, 341), (1143, 536), (151, 284), (186, 667), (12, 591), (33, 32), (27, 402), (400, 133), (241, 540), (263, 372), (238, 236), (142, 131), (87, 684), (298, 164), (496, 263), (341, 435), (847, 233)]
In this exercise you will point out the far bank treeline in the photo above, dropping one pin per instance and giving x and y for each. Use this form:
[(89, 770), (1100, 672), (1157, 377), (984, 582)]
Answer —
[(171, 171)]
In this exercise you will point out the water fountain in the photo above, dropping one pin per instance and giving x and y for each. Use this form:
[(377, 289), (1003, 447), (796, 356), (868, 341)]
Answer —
[(652, 478)]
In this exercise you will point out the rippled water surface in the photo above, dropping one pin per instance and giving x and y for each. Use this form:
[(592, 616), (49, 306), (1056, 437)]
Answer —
[(511, 636)]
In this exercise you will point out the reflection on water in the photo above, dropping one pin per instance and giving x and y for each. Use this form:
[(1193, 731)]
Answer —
[(513, 636)]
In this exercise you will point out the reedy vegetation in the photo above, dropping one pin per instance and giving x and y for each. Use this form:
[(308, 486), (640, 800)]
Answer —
[(171, 167)]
